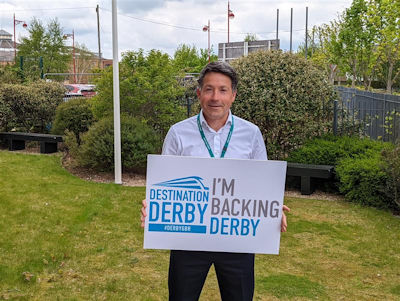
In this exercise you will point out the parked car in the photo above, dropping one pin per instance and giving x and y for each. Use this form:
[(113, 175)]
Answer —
[(79, 90)]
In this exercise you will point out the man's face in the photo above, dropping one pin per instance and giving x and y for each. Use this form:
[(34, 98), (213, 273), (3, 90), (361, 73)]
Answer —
[(216, 96)]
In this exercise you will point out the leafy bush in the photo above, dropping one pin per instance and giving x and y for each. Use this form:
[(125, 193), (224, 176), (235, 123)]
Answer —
[(363, 181), (75, 116), (364, 173), (391, 165), (97, 145), (30, 107), (9, 75), (148, 90), (7, 117), (286, 96), (329, 149)]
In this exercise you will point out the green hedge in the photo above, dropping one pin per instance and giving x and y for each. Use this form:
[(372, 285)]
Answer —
[(286, 96), (329, 149), (97, 145), (391, 166), (363, 181), (29, 107), (367, 172), (75, 116)]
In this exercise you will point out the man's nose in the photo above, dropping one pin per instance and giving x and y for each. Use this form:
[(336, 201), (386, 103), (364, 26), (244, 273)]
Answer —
[(216, 95)]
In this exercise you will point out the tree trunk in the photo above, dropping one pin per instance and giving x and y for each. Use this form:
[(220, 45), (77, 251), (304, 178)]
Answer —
[(366, 82), (389, 81), (353, 81)]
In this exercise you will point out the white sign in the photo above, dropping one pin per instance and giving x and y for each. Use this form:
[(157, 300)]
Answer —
[(207, 204)]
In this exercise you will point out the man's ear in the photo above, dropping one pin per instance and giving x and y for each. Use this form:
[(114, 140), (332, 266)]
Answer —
[(198, 91), (234, 95)]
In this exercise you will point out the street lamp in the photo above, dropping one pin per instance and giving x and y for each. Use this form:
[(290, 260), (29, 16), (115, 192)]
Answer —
[(207, 28), (24, 25), (230, 16), (69, 35)]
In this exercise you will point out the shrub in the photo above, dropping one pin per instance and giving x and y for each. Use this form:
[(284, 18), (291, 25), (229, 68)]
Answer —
[(391, 165), (9, 75), (329, 149), (137, 140), (286, 96), (75, 116), (360, 167), (6, 116), (363, 181), (30, 107)]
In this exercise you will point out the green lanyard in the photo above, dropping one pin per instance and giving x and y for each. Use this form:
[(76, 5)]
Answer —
[(228, 139)]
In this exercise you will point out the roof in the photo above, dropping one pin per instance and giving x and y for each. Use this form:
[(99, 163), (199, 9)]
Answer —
[(6, 44), (5, 33)]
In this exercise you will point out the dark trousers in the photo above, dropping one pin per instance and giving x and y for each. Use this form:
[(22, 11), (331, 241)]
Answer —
[(188, 271)]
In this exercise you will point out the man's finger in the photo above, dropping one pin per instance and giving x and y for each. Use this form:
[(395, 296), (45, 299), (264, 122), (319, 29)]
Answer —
[(143, 213), (143, 210), (283, 223), (286, 208)]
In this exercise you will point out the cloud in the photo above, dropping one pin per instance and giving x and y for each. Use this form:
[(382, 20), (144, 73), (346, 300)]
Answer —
[(138, 6), (251, 16)]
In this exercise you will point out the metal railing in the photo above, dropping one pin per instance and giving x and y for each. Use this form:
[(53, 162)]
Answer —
[(366, 113)]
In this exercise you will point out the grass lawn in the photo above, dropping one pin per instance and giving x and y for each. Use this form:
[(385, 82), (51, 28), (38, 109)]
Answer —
[(62, 238)]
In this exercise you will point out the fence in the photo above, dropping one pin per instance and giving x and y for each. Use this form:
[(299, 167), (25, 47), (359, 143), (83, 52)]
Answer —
[(370, 114)]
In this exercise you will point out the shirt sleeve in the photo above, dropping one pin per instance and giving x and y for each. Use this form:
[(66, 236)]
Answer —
[(259, 150), (171, 144)]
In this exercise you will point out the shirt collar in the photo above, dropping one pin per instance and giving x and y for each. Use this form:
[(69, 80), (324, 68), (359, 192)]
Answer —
[(204, 122)]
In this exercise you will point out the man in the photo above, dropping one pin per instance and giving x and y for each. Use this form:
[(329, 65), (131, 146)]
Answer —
[(215, 132)]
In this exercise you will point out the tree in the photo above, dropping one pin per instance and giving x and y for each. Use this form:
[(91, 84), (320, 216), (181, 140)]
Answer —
[(85, 61), (324, 51), (385, 15), (149, 89), (355, 42), (46, 42), (250, 37), (189, 59)]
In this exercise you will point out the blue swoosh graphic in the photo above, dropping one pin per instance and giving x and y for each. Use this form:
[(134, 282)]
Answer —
[(187, 182)]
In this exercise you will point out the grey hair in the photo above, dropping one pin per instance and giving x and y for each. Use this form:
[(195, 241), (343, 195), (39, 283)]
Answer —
[(219, 67)]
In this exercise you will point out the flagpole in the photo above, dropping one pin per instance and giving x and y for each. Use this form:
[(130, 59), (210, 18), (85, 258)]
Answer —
[(228, 21), (230, 15), (117, 121)]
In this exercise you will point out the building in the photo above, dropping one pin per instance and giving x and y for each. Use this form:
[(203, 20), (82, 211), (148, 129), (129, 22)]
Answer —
[(230, 51), (6, 48), (82, 67)]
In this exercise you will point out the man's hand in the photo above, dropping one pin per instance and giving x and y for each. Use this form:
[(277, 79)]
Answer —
[(284, 220), (143, 212)]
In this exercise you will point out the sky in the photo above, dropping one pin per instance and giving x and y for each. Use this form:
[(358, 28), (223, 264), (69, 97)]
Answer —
[(165, 24)]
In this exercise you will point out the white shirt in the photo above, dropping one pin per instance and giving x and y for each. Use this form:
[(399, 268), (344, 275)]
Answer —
[(184, 139)]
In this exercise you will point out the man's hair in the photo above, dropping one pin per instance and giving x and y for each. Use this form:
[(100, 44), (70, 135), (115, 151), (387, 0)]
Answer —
[(219, 67)]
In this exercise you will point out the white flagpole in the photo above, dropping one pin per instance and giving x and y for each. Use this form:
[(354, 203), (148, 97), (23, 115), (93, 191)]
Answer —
[(117, 123)]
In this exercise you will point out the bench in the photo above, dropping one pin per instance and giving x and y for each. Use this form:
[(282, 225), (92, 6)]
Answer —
[(16, 141), (308, 171)]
